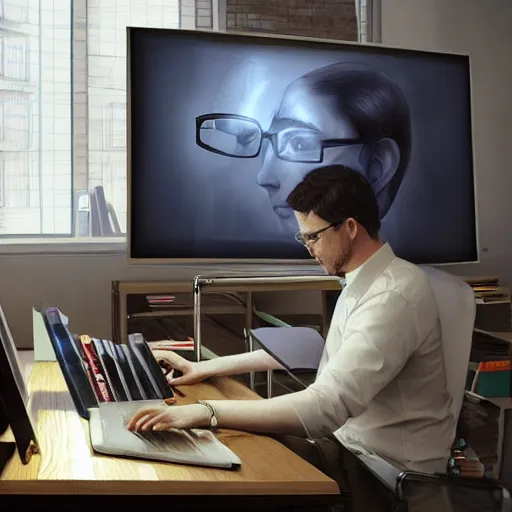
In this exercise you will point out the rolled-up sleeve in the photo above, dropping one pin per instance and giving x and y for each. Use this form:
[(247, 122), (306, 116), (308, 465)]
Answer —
[(378, 339)]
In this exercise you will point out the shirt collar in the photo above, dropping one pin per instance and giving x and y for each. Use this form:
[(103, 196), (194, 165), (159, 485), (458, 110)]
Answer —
[(350, 276), (360, 279)]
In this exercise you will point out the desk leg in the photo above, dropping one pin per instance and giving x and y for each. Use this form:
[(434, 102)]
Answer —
[(123, 318), (249, 342), (197, 321)]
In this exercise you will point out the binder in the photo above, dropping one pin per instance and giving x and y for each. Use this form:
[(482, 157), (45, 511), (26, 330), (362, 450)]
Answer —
[(99, 370)]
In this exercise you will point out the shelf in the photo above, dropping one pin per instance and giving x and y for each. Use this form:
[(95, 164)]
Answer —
[(479, 302), (205, 310), (499, 335)]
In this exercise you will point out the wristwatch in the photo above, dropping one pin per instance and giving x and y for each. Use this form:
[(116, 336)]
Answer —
[(214, 422)]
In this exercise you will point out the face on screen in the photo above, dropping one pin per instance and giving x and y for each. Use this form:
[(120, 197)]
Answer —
[(312, 128), (303, 123)]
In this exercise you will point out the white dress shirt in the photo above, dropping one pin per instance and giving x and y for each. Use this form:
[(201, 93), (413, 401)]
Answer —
[(381, 384)]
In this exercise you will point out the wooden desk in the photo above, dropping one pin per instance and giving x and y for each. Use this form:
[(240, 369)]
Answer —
[(68, 466)]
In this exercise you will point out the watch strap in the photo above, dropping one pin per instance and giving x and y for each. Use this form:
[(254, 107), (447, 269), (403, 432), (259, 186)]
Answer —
[(214, 422)]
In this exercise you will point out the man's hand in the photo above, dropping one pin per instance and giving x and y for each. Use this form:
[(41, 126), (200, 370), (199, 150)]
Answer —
[(166, 418), (191, 372)]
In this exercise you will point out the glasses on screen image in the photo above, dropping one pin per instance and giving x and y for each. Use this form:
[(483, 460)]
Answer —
[(242, 137)]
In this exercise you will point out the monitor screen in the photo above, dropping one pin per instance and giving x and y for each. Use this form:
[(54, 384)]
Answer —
[(222, 127)]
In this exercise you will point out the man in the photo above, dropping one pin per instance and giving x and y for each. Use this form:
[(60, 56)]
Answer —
[(343, 113), (381, 383)]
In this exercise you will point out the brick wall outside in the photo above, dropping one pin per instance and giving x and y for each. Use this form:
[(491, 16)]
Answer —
[(328, 19)]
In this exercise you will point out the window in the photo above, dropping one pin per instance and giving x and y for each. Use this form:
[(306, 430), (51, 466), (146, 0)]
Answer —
[(35, 118), (63, 113), (16, 11), (15, 121), (14, 52), (106, 87)]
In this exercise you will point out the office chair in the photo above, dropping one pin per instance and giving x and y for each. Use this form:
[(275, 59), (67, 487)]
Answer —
[(414, 491), (422, 492), (462, 490)]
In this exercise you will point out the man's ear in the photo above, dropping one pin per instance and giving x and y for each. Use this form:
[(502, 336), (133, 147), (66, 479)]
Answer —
[(351, 227), (380, 160)]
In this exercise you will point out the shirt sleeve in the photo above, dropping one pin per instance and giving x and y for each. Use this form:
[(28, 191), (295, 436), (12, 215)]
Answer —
[(378, 339)]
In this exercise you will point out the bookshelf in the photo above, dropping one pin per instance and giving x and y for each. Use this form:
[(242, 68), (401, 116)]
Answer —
[(206, 296), (133, 312), (488, 290)]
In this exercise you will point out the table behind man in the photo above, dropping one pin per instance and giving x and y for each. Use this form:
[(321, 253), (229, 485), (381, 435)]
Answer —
[(381, 384)]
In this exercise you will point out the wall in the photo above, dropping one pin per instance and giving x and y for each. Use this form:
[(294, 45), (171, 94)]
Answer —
[(329, 19), (474, 27), (79, 284)]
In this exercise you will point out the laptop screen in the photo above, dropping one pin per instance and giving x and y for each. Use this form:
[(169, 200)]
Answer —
[(14, 398)]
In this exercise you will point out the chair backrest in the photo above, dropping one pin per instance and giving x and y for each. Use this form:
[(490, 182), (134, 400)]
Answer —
[(457, 309)]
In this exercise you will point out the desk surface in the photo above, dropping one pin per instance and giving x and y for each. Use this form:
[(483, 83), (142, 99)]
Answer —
[(67, 464)]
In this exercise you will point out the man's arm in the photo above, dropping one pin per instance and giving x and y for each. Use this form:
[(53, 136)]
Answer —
[(379, 338), (268, 416), (257, 361)]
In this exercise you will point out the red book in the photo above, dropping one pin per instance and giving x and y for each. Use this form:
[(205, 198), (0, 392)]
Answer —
[(92, 360)]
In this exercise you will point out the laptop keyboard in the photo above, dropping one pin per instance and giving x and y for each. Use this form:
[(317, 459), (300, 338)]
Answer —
[(174, 441), (180, 440)]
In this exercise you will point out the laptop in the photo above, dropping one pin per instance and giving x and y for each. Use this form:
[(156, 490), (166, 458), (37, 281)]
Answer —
[(109, 382), (15, 410)]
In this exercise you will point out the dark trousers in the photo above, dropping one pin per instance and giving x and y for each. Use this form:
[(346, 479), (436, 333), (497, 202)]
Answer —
[(365, 492)]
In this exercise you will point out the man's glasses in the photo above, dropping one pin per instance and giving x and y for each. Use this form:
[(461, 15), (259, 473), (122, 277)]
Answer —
[(310, 238), (242, 137)]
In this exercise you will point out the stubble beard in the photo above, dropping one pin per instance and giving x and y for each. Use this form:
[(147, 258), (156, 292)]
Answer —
[(341, 261)]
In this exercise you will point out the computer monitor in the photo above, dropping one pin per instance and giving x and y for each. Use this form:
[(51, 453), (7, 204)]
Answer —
[(14, 398), (221, 128)]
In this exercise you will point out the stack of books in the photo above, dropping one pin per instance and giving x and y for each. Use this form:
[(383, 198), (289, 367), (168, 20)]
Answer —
[(488, 290)]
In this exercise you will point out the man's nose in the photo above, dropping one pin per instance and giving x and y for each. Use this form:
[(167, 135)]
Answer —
[(311, 249), (267, 175)]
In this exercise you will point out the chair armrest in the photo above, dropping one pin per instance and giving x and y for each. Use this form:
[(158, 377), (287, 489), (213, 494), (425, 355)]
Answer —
[(393, 478)]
